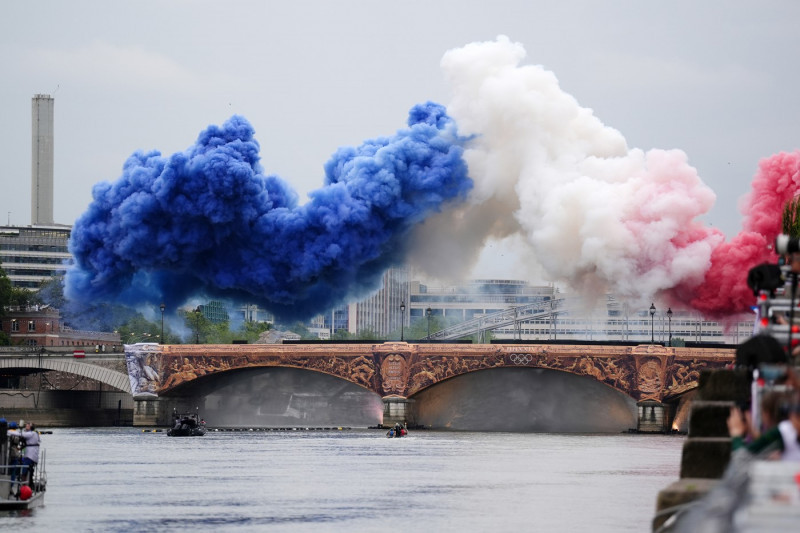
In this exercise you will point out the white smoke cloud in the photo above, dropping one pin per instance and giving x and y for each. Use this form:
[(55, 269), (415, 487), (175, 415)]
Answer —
[(594, 213)]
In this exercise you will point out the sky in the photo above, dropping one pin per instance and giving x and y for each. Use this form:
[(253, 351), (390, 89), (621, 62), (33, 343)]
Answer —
[(716, 80)]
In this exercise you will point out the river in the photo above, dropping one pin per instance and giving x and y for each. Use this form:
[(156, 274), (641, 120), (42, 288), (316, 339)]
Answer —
[(350, 480)]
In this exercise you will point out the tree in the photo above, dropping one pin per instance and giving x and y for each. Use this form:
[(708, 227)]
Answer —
[(418, 329), (198, 324), (139, 329), (251, 331), (5, 292), (368, 335)]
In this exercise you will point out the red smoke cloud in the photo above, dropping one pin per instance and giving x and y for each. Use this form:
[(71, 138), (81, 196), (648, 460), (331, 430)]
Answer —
[(724, 291)]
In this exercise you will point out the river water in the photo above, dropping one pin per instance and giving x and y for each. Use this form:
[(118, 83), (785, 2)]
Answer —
[(350, 480)]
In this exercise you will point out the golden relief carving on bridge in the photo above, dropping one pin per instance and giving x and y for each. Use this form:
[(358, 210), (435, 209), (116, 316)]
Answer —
[(394, 374), (181, 369), (430, 369), (607, 369), (643, 372)]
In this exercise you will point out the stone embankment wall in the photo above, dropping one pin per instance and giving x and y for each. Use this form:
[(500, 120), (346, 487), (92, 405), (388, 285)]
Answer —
[(707, 450), (52, 408)]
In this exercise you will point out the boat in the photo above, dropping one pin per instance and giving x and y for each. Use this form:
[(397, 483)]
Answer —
[(187, 425), (397, 431), (18, 490)]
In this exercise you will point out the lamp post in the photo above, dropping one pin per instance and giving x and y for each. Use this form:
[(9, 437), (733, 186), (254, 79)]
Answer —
[(652, 314), (162, 307), (428, 314), (669, 317), (197, 325), (402, 318)]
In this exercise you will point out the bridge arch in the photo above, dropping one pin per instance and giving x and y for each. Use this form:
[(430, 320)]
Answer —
[(112, 378), (523, 399), (276, 396)]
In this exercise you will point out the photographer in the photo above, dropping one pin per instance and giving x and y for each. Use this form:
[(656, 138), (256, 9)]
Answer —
[(782, 438), (31, 452)]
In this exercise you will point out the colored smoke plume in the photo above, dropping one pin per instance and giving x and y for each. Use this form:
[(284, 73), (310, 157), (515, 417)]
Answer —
[(592, 212), (208, 222), (544, 171)]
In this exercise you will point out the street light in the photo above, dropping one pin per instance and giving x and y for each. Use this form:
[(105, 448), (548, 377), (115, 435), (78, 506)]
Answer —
[(162, 307), (428, 314), (652, 314), (197, 325), (402, 318), (669, 316)]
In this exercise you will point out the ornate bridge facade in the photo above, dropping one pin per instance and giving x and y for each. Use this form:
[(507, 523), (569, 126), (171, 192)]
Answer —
[(401, 370)]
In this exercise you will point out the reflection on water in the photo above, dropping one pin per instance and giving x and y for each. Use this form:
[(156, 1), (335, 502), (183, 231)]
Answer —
[(356, 480)]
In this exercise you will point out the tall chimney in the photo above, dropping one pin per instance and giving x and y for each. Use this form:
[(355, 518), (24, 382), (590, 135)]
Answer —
[(42, 160)]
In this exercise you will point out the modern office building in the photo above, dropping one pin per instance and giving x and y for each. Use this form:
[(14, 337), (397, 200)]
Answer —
[(547, 314), (383, 311), (30, 255)]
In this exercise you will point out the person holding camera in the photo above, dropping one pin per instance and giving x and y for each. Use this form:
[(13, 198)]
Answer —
[(782, 438), (30, 457)]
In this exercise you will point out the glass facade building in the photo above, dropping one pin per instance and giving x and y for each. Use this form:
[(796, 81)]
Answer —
[(30, 255)]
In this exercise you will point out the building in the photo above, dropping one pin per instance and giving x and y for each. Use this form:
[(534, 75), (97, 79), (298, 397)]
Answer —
[(555, 316), (33, 254), (30, 255), (215, 311), (384, 311), (41, 326), (472, 299)]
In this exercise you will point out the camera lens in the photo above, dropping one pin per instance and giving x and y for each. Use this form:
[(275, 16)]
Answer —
[(786, 245)]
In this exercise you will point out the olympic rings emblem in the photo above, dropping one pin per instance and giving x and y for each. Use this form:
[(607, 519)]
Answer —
[(521, 358)]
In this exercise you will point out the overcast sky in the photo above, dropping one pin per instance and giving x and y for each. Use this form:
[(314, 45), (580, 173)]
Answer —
[(718, 80)]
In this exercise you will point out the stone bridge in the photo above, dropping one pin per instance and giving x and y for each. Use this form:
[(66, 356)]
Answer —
[(397, 371)]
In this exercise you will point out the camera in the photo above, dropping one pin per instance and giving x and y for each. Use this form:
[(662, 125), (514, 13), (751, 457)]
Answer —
[(785, 244)]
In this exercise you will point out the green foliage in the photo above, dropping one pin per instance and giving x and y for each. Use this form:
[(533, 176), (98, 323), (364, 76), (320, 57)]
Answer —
[(4, 339), (5, 292), (368, 335), (139, 329), (23, 297), (251, 331), (199, 325), (790, 223), (418, 329), (678, 342), (342, 335)]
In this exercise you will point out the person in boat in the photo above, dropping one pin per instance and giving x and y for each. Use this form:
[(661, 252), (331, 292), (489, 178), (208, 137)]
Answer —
[(30, 454), (15, 444)]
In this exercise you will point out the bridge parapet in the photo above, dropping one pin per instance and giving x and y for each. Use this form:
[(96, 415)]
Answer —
[(400, 369)]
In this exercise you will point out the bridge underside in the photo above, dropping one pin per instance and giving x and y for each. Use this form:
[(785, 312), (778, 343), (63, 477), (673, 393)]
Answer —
[(503, 399), (277, 397), (524, 399)]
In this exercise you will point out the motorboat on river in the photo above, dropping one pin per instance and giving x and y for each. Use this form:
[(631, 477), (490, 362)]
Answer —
[(187, 425), (397, 431), (19, 487)]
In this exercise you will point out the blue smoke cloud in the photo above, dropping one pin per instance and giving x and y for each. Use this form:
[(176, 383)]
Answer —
[(207, 221)]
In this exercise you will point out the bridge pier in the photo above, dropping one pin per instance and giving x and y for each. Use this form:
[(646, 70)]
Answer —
[(149, 412), (396, 409), (652, 417)]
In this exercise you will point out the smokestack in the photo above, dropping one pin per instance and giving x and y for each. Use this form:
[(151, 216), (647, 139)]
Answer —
[(42, 160)]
